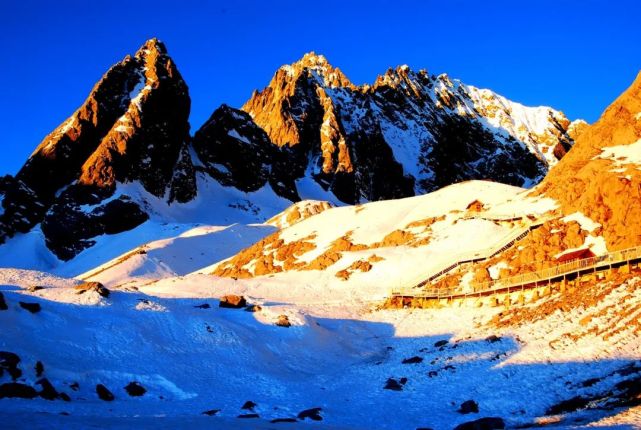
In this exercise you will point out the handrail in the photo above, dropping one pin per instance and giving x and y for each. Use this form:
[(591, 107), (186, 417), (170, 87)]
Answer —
[(482, 254), (549, 273)]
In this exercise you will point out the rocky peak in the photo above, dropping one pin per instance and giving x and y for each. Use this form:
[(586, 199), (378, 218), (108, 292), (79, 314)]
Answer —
[(317, 67), (133, 126), (598, 177)]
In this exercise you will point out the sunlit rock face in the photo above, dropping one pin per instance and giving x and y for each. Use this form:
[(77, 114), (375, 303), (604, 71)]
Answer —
[(132, 127), (310, 129), (600, 176), (407, 134)]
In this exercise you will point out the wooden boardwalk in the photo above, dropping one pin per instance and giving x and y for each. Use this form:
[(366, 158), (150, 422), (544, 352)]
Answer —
[(499, 246), (527, 280)]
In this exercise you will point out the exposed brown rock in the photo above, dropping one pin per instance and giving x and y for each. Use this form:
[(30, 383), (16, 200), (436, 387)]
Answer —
[(581, 182), (232, 301), (97, 287)]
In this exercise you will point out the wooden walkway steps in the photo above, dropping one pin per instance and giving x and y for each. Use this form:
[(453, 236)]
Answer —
[(528, 280), (499, 246)]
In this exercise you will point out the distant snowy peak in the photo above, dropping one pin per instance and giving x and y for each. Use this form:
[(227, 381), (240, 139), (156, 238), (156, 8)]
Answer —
[(406, 134)]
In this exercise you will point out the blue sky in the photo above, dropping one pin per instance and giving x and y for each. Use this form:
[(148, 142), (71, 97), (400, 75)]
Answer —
[(576, 56)]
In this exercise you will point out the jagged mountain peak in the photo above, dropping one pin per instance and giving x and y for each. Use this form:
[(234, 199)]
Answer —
[(133, 127), (314, 66), (604, 167)]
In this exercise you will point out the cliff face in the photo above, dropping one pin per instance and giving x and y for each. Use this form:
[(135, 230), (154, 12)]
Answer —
[(132, 127), (310, 133), (600, 176), (407, 134)]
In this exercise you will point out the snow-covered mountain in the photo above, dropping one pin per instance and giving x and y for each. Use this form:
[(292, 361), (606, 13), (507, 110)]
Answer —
[(312, 338), (126, 155), (407, 134)]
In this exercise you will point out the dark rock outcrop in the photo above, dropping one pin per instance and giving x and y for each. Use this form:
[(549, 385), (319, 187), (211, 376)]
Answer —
[(3, 303), (413, 360), (134, 389), (133, 127), (313, 414), (469, 407), (488, 423), (9, 363), (34, 308), (48, 392), (104, 393), (16, 389)]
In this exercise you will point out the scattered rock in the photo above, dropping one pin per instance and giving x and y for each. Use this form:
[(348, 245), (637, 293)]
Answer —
[(203, 306), (313, 414), (283, 321), (64, 397), (253, 308), (9, 362), (34, 288), (432, 373), (248, 416), (488, 423), (233, 302), (93, 286), (469, 407), (134, 389), (211, 412), (249, 405), (75, 386), (40, 368), (393, 384), (104, 393), (283, 420), (570, 405), (3, 303), (440, 343), (31, 307), (493, 339), (16, 389), (48, 392), (413, 360)]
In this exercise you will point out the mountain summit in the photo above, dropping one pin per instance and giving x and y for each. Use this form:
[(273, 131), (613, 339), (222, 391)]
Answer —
[(126, 155), (408, 133)]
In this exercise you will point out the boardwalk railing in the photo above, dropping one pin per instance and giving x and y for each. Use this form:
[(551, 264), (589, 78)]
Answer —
[(528, 279), (467, 257)]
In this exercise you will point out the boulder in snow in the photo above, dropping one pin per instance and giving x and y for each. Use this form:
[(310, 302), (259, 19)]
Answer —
[(134, 389), (488, 423), (104, 393), (48, 392), (93, 286), (313, 414), (413, 360), (233, 302), (469, 407), (31, 307), (3, 303), (16, 389), (283, 321)]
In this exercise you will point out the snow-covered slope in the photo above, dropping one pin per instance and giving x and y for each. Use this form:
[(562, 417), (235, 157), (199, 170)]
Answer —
[(381, 245), (337, 356)]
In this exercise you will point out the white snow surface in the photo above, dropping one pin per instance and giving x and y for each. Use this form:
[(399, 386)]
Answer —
[(340, 349), (623, 155)]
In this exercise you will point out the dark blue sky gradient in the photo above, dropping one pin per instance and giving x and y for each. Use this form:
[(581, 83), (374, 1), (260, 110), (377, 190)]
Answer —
[(576, 56)]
